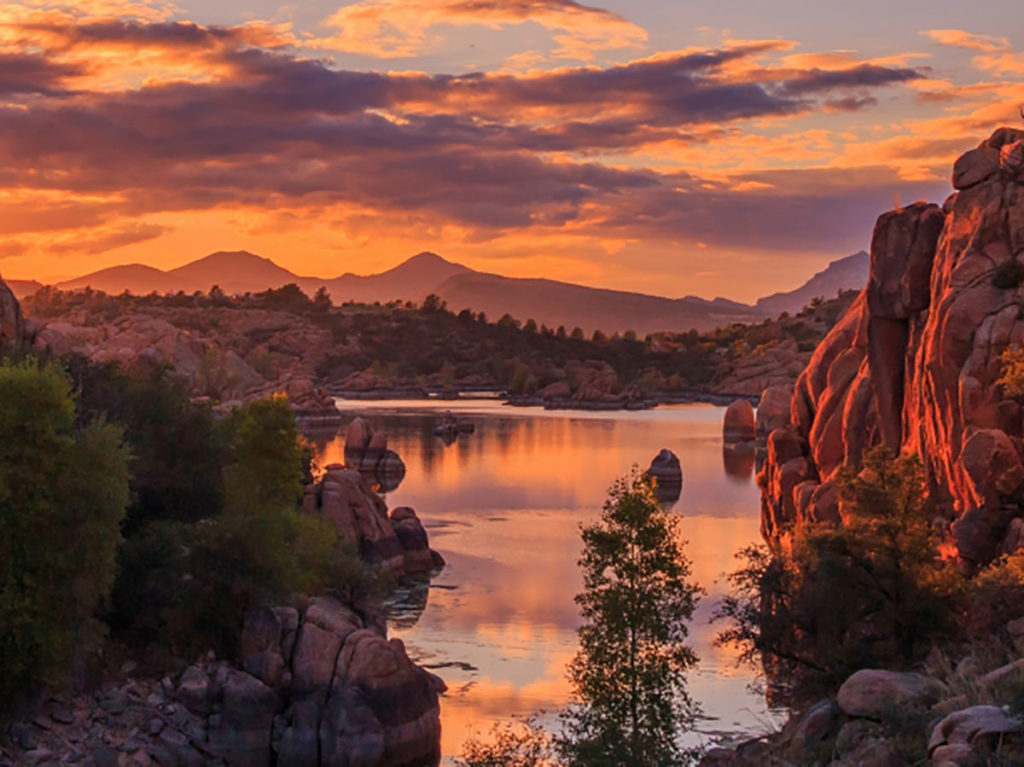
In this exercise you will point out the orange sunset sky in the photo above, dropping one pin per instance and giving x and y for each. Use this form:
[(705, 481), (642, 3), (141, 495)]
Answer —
[(729, 148)]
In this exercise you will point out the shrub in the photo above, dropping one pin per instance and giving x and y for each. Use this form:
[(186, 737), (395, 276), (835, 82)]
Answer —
[(872, 591), (1012, 378), (189, 584), (63, 493)]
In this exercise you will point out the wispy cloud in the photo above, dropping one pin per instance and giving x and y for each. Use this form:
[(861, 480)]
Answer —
[(406, 28)]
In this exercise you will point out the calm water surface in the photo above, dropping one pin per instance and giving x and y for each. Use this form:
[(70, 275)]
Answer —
[(504, 506)]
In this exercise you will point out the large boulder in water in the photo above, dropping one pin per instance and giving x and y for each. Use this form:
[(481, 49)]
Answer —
[(668, 476), (739, 424)]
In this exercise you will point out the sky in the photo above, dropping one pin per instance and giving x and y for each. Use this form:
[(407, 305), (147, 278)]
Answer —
[(675, 147)]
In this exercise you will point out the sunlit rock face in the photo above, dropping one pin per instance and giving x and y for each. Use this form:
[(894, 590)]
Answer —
[(914, 362), (11, 327)]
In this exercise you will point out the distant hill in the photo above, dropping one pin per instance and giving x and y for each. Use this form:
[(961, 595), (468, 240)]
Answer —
[(850, 273), (546, 301), (415, 278), (22, 289), (560, 303)]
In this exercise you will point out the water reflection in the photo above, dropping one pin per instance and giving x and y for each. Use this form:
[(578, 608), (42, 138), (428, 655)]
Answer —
[(504, 506), (739, 460)]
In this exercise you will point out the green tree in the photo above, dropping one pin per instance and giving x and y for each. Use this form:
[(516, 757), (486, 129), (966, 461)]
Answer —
[(631, 703), (177, 450), (63, 493)]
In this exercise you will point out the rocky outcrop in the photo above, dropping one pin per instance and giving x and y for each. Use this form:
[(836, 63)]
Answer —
[(366, 451), (397, 543), (11, 324), (229, 355), (914, 362), (321, 687), (667, 475)]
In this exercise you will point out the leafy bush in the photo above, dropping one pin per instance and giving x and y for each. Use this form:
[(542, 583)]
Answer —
[(177, 450), (63, 493), (872, 591), (522, 743)]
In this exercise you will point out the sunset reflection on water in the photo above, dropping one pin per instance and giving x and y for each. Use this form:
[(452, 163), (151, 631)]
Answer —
[(504, 506)]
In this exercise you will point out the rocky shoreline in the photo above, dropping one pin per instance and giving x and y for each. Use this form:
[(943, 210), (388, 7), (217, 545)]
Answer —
[(320, 686)]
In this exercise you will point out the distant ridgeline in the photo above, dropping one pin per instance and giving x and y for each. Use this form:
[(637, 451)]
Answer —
[(548, 302), (236, 348)]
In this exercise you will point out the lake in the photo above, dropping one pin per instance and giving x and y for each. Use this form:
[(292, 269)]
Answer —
[(504, 505)]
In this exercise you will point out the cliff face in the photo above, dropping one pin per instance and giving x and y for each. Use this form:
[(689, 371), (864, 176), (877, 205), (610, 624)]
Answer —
[(914, 362), (11, 326)]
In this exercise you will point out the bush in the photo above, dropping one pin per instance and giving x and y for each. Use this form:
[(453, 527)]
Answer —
[(1012, 378), (872, 591), (63, 493)]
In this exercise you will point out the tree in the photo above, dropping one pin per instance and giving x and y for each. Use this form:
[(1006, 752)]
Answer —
[(63, 493), (629, 674), (599, 337), (177, 449), (577, 334), (530, 326), (322, 301)]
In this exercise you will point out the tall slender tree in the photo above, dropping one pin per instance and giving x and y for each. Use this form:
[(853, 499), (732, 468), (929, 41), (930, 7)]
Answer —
[(630, 672)]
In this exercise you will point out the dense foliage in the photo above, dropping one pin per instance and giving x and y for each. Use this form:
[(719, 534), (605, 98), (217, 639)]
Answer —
[(871, 592), (63, 493), (188, 584)]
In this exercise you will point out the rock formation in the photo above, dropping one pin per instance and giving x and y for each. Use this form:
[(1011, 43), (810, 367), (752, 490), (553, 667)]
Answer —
[(320, 687), (914, 362), (11, 325), (229, 355), (367, 451), (668, 476), (739, 425), (398, 543)]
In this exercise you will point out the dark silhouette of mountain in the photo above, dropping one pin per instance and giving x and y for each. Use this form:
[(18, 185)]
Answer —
[(234, 271), (548, 302), (135, 278), (850, 273), (414, 278), (559, 303)]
